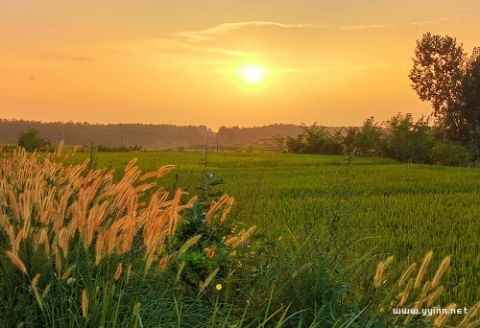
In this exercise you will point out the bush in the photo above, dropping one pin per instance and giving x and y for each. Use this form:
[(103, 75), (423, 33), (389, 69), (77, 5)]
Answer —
[(409, 141), (366, 140), (31, 141), (315, 140), (295, 144), (218, 249), (444, 153), (370, 138)]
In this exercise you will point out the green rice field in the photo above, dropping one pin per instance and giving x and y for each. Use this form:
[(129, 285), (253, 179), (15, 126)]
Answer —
[(359, 211)]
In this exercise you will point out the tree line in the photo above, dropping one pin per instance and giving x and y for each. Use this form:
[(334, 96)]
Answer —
[(108, 135), (402, 138), (121, 137), (442, 74)]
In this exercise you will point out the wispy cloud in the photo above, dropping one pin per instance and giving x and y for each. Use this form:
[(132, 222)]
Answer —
[(209, 33), (363, 27), (216, 50), (431, 21)]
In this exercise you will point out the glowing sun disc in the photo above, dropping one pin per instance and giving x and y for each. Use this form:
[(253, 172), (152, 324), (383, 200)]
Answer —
[(253, 74)]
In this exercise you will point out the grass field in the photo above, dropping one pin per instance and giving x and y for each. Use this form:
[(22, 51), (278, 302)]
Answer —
[(359, 211)]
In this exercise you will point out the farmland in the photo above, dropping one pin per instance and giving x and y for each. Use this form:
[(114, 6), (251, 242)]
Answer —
[(359, 211)]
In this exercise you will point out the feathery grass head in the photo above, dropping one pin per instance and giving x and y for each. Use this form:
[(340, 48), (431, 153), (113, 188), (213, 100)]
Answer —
[(382, 266), (413, 290), (423, 269), (75, 221)]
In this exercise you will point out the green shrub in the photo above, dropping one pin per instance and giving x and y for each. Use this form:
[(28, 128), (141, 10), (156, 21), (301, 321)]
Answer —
[(444, 153), (315, 140), (295, 144), (218, 250), (368, 140), (30, 140), (407, 140)]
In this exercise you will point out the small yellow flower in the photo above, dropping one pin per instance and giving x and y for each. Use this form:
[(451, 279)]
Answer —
[(218, 287)]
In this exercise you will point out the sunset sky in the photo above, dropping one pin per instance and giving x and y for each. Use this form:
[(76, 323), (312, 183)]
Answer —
[(218, 62)]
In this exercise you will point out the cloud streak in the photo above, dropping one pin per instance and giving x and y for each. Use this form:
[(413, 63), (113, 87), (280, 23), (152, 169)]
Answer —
[(216, 50), (226, 28), (431, 21), (363, 27), (222, 29)]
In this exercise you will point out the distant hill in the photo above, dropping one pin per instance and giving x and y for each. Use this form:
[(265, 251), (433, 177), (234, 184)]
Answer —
[(149, 136)]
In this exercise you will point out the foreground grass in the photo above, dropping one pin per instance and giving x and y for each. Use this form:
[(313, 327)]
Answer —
[(81, 248), (358, 212), (84, 248)]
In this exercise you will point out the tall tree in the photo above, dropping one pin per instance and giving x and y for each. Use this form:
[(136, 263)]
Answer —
[(469, 104), (437, 77)]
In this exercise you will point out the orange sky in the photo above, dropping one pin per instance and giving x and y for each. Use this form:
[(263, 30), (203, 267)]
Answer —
[(334, 62)]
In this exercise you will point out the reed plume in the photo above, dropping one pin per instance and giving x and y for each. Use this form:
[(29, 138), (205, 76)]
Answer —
[(71, 201), (57, 220), (423, 269), (411, 290)]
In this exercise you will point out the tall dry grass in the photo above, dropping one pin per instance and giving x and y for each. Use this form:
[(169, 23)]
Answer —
[(76, 232), (419, 288), (47, 206)]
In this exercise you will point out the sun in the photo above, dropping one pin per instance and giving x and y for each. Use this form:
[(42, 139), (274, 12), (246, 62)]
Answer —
[(253, 74)]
